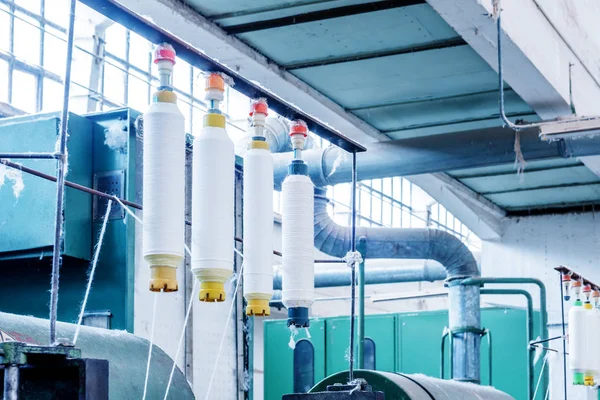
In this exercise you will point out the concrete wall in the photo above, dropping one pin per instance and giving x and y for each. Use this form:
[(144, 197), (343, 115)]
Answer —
[(533, 247)]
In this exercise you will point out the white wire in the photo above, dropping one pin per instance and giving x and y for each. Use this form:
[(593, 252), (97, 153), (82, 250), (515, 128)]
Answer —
[(128, 211), (537, 386), (150, 347), (92, 271), (185, 322), (239, 276)]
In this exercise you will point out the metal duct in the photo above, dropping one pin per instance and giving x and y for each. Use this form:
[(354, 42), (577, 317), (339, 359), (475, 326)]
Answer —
[(420, 155), (340, 276), (430, 244)]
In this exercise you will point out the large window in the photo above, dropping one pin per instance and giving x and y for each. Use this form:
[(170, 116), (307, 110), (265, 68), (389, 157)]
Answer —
[(304, 366), (112, 67)]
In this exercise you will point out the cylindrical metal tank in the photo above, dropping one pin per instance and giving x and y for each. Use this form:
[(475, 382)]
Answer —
[(416, 387), (127, 356)]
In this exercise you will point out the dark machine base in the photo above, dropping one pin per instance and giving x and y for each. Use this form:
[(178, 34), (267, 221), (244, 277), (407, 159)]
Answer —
[(47, 373), (360, 391)]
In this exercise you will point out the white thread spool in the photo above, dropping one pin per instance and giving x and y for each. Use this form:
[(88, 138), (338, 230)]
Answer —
[(164, 190), (258, 228), (298, 241), (213, 210)]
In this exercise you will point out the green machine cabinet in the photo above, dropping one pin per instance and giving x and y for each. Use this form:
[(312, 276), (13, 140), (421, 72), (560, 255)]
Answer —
[(98, 161), (380, 343), (27, 215), (279, 373), (410, 343)]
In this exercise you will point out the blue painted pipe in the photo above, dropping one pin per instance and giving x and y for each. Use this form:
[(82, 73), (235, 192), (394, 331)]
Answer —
[(420, 155), (409, 243)]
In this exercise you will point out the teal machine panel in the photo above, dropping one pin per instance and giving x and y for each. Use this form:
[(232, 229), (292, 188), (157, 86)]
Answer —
[(279, 373), (94, 161), (380, 332), (27, 218), (410, 343)]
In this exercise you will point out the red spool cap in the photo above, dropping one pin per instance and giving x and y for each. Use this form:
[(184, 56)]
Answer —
[(566, 277), (164, 52), (259, 106), (299, 128), (587, 289)]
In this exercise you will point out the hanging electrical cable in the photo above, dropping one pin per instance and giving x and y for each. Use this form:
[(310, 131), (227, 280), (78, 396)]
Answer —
[(258, 216), (213, 197), (164, 178), (298, 234)]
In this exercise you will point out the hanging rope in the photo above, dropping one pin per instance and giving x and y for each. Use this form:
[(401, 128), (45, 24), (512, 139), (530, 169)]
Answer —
[(92, 271), (182, 335), (239, 275), (150, 347), (537, 386)]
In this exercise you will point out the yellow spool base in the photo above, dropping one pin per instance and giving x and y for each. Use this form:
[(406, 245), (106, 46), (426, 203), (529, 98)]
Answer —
[(163, 278), (212, 291), (258, 308), (588, 306), (588, 380)]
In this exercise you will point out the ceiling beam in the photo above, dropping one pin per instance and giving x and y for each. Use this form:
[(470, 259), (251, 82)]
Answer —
[(548, 53), (321, 15), (203, 36), (480, 215)]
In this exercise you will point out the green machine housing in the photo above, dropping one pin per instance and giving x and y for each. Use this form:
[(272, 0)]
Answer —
[(405, 343), (27, 217)]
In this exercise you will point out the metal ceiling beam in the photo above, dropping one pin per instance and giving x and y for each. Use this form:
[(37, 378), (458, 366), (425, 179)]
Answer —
[(320, 15), (275, 7), (480, 215), (547, 60), (195, 57), (435, 45)]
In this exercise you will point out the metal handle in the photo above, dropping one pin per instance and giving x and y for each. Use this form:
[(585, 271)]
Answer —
[(488, 334), (442, 358)]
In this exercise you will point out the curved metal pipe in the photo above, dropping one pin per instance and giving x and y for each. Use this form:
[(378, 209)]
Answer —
[(340, 276), (431, 244)]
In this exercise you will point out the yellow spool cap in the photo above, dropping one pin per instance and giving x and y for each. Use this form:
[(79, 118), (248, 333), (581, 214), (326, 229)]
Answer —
[(163, 278), (214, 120), (258, 144), (588, 306), (258, 308), (588, 380), (164, 96), (212, 291)]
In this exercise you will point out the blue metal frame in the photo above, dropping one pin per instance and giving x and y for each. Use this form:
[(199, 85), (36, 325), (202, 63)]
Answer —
[(194, 57)]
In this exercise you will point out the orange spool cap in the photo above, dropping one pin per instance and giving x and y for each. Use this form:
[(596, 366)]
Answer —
[(214, 81), (259, 106), (299, 128)]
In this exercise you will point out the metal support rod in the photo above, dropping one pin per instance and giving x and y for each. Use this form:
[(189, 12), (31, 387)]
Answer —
[(545, 340), (11, 382), (361, 306), (520, 281), (50, 156), (137, 206), (353, 273), (564, 342), (60, 178)]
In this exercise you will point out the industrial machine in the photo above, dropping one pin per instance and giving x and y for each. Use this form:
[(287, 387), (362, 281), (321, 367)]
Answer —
[(375, 385), (105, 364)]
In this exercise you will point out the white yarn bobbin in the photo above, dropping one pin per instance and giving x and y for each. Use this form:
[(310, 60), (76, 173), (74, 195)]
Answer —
[(164, 191)]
